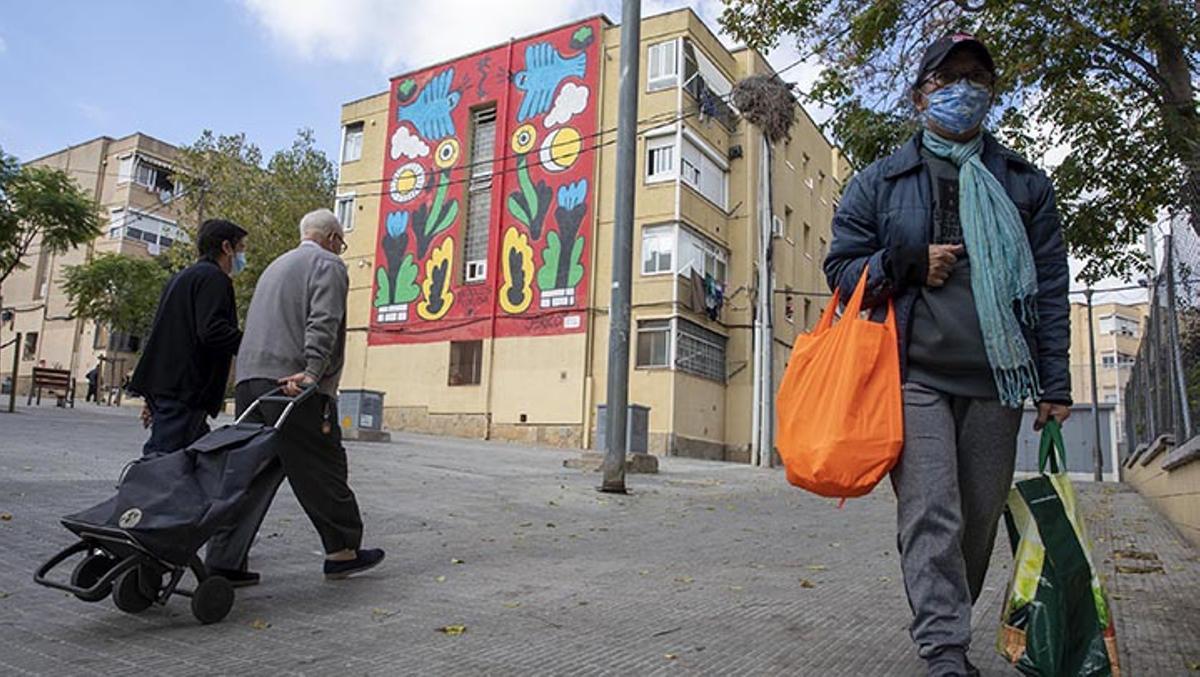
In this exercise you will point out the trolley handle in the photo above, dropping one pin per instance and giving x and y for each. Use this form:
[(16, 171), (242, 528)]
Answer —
[(288, 402)]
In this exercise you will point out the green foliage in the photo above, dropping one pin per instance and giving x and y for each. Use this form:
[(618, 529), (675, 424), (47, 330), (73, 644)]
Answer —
[(547, 275), (1108, 84), (226, 177), (119, 292), (406, 290), (40, 204)]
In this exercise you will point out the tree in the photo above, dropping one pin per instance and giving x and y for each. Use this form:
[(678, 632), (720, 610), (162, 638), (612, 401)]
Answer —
[(116, 291), (1111, 82), (225, 177), (40, 203)]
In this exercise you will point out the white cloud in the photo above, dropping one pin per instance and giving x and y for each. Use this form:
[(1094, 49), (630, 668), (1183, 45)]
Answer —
[(396, 36), (572, 100), (405, 143)]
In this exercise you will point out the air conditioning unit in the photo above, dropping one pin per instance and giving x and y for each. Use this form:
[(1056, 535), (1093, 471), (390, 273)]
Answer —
[(476, 271)]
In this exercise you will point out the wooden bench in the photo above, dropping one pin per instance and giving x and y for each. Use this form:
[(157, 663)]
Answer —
[(54, 380)]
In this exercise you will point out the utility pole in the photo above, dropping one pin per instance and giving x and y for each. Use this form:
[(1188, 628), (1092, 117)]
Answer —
[(12, 386), (1097, 458), (622, 272)]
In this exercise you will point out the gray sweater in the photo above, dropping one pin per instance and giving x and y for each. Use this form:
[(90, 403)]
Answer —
[(297, 319)]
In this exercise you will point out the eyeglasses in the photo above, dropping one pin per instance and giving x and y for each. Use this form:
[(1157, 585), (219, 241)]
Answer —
[(340, 245), (979, 76)]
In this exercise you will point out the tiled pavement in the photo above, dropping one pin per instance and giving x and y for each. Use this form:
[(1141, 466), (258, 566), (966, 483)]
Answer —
[(706, 569)]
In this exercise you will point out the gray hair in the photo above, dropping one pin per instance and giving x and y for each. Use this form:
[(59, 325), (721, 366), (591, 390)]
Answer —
[(319, 223)]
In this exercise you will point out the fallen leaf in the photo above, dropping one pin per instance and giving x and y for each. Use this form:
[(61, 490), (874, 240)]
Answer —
[(736, 588), (3, 595), (455, 560), (525, 524), (552, 503), (1135, 554), (511, 605), (1149, 569), (440, 579), (259, 624), (806, 584), (378, 613), (452, 630), (884, 579), (817, 567), (670, 656), (5, 516), (551, 525), (1194, 667), (644, 572), (684, 579)]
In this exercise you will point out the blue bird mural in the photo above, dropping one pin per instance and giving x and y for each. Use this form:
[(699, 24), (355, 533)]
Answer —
[(544, 70), (430, 113)]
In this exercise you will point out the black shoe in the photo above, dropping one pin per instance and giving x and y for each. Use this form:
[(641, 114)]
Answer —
[(239, 579), (363, 560)]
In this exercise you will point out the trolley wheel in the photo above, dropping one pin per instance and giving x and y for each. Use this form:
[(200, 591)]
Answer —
[(128, 594), (88, 572), (212, 599)]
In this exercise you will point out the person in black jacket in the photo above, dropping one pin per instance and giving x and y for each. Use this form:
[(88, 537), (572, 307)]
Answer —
[(185, 364)]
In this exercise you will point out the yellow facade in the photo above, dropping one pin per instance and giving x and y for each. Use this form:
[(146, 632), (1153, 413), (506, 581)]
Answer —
[(546, 389), (1118, 330), (107, 170)]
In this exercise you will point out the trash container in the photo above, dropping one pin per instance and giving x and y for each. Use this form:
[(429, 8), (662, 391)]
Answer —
[(361, 410), (637, 429)]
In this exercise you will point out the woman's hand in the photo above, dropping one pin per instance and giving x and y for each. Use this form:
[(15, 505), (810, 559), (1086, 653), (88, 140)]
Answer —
[(942, 258)]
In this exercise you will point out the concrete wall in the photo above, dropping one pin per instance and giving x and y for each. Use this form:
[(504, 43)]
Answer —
[(1173, 490)]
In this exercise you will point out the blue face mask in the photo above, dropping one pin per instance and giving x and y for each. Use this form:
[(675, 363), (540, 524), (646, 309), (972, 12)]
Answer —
[(959, 107), (239, 262)]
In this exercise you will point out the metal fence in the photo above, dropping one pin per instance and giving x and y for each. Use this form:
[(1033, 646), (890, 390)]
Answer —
[(1162, 396)]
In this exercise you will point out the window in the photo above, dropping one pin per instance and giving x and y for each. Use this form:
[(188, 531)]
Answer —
[(120, 342), (479, 195), (658, 248), (701, 255), (1109, 360), (466, 362), (699, 351), (678, 249), (654, 343), (1119, 324), (822, 250), (352, 142), (702, 172), (807, 239), (125, 168), (663, 69), (40, 281), (29, 349), (807, 311), (140, 227), (787, 225), (660, 158), (344, 208), (151, 175)]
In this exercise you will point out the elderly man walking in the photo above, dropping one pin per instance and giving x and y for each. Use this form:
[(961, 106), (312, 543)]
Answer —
[(963, 235), (295, 337)]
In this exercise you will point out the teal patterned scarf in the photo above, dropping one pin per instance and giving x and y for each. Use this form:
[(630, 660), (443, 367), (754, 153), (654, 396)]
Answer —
[(1003, 277)]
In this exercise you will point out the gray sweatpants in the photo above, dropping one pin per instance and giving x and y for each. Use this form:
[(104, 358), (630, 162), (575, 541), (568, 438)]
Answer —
[(951, 485)]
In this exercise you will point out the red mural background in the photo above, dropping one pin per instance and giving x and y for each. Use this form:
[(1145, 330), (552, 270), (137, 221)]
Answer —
[(539, 237)]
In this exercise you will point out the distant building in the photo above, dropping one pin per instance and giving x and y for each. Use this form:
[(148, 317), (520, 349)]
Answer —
[(1118, 329), (478, 194), (132, 180)]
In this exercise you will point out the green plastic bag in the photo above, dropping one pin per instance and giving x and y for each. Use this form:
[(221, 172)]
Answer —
[(1056, 620)]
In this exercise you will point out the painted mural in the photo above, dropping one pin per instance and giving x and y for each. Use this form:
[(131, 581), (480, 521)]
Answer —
[(544, 89)]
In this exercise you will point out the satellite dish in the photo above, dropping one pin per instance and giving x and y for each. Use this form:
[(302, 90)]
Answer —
[(165, 196)]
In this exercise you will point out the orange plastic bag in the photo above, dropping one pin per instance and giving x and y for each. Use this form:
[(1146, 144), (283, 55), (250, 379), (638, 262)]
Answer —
[(839, 408)]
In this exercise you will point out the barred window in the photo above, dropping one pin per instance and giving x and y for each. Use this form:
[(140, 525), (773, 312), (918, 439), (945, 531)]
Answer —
[(699, 351)]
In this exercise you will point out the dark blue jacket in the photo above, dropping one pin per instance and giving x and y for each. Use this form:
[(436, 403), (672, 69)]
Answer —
[(884, 222)]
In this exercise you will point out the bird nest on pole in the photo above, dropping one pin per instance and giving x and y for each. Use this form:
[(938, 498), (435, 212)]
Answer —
[(766, 102)]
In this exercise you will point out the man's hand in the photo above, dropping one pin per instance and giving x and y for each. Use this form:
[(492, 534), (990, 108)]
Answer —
[(295, 384), (1060, 412), (941, 262), (147, 417)]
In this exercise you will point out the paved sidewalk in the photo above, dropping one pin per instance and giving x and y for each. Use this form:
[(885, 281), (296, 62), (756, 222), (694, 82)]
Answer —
[(706, 569)]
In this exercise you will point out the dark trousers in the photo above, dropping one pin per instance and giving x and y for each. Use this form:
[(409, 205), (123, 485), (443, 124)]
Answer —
[(314, 462), (174, 425)]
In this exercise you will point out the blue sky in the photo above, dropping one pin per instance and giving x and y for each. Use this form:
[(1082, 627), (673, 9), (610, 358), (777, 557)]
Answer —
[(74, 70)]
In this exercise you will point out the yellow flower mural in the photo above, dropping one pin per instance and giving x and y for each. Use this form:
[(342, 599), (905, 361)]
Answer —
[(517, 292), (438, 269)]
